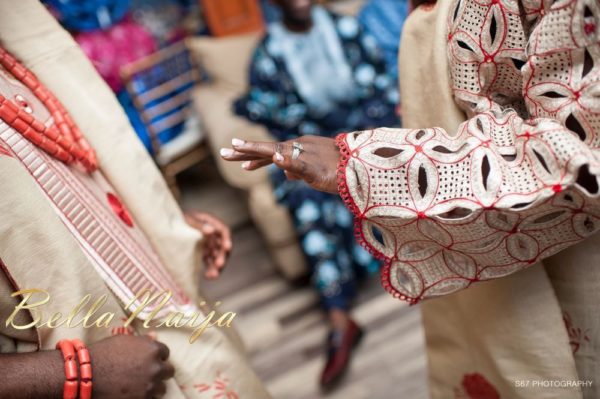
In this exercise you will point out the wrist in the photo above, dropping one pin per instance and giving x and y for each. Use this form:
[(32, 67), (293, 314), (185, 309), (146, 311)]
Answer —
[(55, 374), (41, 375), (77, 369), (342, 183)]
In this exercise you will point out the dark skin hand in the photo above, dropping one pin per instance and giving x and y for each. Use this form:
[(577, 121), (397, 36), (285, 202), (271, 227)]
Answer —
[(216, 241), (124, 367), (316, 165)]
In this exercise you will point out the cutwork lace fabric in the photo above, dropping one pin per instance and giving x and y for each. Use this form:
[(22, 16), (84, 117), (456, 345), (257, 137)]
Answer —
[(518, 182)]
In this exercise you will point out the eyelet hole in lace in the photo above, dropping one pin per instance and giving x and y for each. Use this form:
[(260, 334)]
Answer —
[(456, 213), (493, 28), (456, 10), (464, 45), (573, 125), (521, 205), (422, 181), (485, 171), (377, 234), (479, 124), (420, 134), (445, 150), (553, 94), (542, 160), (588, 63), (518, 63), (387, 152), (587, 180)]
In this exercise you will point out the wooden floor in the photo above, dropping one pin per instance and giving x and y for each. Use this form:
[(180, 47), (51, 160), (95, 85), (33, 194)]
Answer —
[(284, 329)]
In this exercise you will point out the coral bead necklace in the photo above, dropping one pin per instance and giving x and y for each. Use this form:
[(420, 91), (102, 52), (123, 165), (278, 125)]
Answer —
[(63, 139)]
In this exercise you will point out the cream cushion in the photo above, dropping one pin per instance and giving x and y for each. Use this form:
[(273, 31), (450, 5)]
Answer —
[(225, 60), (213, 103)]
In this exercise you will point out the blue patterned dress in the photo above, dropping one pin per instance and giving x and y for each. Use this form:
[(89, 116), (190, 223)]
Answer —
[(323, 223)]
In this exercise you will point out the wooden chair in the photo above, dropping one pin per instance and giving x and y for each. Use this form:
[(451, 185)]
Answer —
[(232, 17), (161, 86)]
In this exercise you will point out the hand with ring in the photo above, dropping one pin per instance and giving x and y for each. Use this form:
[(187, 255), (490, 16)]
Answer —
[(310, 158)]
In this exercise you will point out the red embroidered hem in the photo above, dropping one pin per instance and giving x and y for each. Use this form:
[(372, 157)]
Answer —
[(344, 192)]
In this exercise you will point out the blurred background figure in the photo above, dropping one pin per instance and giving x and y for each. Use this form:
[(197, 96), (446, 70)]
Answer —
[(317, 73), (384, 20)]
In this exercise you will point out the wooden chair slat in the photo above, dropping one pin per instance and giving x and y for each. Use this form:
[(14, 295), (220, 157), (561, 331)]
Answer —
[(131, 69), (169, 105), (168, 122), (165, 88)]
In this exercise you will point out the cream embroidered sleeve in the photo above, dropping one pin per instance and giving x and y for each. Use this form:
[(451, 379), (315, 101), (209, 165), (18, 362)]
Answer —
[(518, 182)]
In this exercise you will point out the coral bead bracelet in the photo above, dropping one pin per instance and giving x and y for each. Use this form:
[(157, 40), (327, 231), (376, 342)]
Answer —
[(78, 378)]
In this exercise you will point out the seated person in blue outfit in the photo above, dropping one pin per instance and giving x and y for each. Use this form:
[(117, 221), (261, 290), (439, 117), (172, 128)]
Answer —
[(318, 73), (384, 20)]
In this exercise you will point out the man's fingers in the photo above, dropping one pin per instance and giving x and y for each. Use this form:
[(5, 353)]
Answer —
[(159, 390), (256, 164), (226, 238), (212, 220), (211, 273), (227, 244), (207, 229), (167, 371), (260, 148), (163, 350), (233, 155), (220, 261)]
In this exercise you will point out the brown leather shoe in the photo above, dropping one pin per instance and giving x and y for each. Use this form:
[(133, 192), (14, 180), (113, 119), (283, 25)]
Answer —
[(340, 345)]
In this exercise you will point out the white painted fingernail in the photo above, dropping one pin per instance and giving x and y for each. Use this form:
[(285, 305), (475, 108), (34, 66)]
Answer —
[(226, 152), (278, 157), (237, 142), (245, 165)]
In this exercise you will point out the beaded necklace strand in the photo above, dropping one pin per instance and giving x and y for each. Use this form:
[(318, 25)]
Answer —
[(63, 139)]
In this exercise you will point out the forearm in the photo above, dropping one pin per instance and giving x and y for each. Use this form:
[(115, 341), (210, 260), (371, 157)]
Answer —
[(38, 375)]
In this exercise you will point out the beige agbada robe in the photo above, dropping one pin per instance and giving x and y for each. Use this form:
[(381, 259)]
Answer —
[(40, 252), (510, 330)]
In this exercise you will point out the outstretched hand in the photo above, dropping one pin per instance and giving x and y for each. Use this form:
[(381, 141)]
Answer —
[(316, 163)]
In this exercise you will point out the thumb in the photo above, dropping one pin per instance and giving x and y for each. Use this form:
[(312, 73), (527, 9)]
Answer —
[(289, 165), (279, 160)]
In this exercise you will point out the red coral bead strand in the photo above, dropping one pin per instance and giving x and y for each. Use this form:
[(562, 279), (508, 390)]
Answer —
[(63, 136), (85, 369), (71, 384), (13, 116)]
